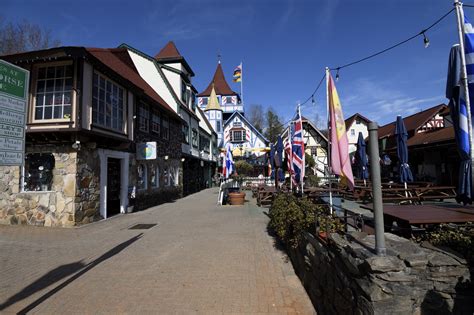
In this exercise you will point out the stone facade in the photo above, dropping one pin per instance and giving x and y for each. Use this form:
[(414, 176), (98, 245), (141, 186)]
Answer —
[(87, 199), (48, 208), (344, 276)]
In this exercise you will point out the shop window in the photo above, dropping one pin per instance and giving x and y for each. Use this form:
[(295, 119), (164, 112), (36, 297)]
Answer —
[(173, 174), (166, 179), (38, 172), (142, 176), (53, 99), (155, 176)]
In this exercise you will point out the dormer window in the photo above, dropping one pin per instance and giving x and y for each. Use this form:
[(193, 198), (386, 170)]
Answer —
[(184, 94), (193, 101)]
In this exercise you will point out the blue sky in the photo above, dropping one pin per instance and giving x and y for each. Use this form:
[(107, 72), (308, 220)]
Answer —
[(284, 45)]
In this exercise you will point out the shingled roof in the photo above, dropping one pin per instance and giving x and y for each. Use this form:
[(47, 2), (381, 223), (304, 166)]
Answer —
[(413, 122), (170, 54), (118, 60), (220, 84)]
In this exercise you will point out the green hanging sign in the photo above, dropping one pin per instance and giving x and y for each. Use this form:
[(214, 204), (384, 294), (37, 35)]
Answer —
[(13, 80)]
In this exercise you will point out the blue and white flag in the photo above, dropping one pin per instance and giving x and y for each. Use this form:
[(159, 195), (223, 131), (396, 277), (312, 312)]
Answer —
[(229, 162), (469, 49)]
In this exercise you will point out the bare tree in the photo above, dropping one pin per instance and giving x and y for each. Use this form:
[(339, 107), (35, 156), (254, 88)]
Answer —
[(256, 116), (24, 36)]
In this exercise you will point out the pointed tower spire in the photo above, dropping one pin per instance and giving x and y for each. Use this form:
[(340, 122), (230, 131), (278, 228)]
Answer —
[(213, 103), (219, 83)]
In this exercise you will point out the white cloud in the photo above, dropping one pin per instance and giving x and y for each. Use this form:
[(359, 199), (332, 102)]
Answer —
[(382, 101)]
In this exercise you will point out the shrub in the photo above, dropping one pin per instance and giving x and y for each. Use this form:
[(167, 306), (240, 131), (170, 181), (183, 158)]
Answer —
[(312, 181), (457, 238), (243, 168), (291, 216)]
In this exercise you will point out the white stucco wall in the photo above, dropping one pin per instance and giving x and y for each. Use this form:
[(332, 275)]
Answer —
[(175, 81), (149, 73), (255, 141), (362, 127)]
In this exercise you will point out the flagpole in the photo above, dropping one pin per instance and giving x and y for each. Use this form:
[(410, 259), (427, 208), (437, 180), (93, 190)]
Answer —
[(242, 83), (465, 82), (329, 141), (302, 153)]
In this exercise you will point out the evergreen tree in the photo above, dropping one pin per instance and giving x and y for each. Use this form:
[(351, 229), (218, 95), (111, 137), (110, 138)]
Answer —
[(274, 127)]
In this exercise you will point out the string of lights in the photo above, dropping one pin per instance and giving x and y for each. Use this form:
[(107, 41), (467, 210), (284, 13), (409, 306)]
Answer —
[(421, 33)]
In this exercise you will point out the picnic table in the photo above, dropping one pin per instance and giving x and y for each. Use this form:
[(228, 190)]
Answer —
[(265, 196), (407, 216)]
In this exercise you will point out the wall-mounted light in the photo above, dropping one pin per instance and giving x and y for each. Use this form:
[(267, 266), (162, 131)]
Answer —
[(166, 157), (76, 145), (183, 159)]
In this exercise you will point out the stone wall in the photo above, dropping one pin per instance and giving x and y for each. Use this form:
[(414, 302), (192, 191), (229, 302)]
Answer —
[(87, 200), (49, 208), (344, 276)]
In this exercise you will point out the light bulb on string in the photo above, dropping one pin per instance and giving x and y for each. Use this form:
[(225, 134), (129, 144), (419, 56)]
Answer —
[(426, 41), (337, 75), (312, 100)]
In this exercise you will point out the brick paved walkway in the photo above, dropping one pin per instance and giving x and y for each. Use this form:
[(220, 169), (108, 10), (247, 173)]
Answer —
[(200, 258)]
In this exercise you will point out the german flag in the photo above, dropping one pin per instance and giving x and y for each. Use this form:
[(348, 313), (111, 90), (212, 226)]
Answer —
[(238, 73)]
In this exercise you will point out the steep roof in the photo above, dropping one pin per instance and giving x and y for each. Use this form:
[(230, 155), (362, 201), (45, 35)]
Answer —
[(349, 121), (242, 118), (170, 54), (413, 122), (220, 84), (169, 51), (213, 103), (119, 61)]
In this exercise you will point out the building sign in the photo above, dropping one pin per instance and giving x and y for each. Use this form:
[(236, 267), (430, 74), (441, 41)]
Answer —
[(146, 151), (13, 99)]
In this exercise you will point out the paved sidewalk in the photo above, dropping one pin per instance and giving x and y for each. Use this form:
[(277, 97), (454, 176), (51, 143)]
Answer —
[(200, 258)]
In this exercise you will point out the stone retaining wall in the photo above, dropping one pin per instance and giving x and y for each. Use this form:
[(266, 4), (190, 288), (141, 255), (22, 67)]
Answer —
[(49, 208), (344, 276)]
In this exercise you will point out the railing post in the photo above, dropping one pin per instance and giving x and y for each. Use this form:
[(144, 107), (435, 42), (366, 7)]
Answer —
[(376, 189)]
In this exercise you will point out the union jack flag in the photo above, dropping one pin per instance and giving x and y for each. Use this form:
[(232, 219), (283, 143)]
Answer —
[(200, 101), (297, 145), (289, 162)]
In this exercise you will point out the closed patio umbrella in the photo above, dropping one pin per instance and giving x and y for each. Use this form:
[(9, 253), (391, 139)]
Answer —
[(458, 112), (279, 159), (402, 151), (272, 161), (361, 159)]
